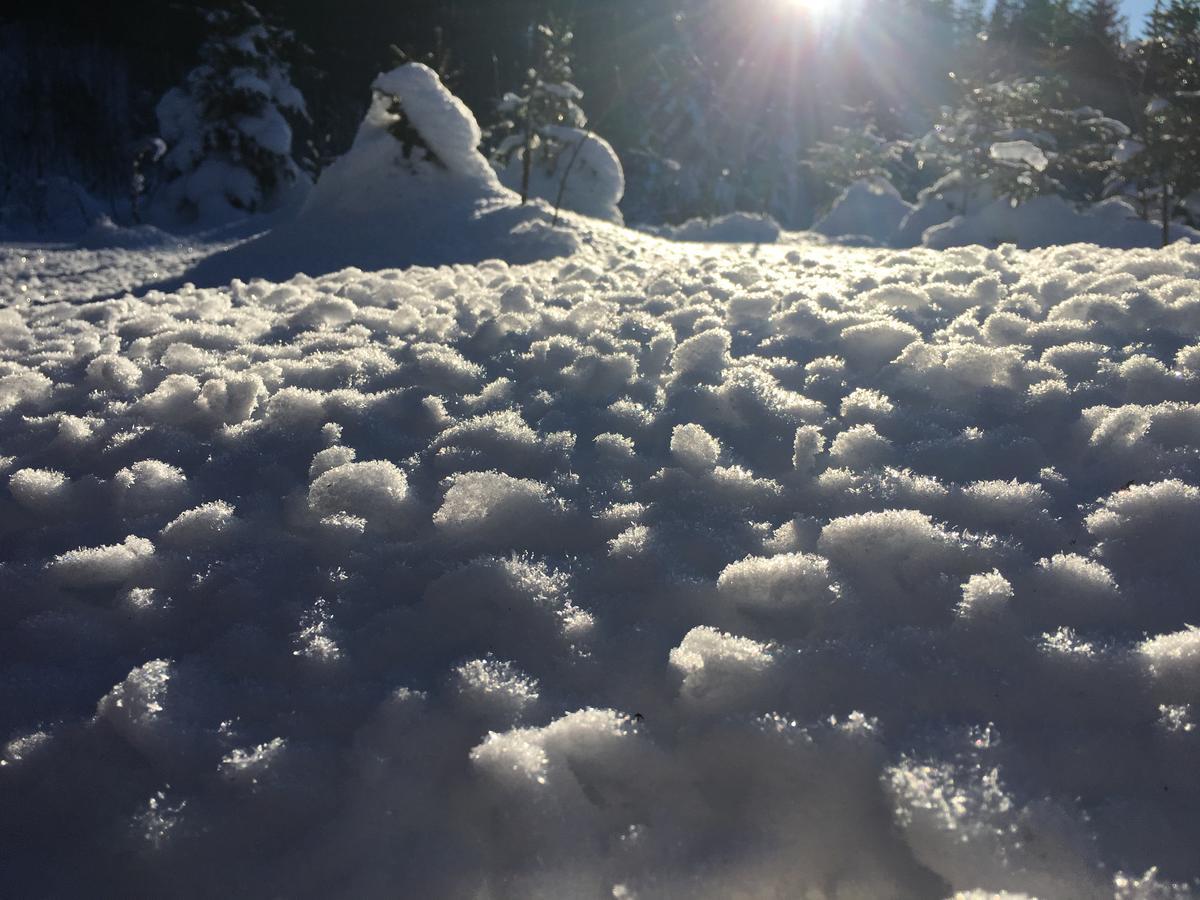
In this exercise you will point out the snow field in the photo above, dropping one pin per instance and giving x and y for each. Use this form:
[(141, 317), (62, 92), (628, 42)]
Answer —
[(649, 572)]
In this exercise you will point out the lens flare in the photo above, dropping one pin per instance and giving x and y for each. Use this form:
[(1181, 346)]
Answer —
[(816, 9)]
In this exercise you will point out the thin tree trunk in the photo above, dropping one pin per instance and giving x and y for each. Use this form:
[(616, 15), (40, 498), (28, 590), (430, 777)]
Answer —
[(562, 185), (1166, 214), (526, 164)]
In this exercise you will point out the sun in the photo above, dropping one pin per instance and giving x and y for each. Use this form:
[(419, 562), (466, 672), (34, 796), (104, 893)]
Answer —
[(814, 9)]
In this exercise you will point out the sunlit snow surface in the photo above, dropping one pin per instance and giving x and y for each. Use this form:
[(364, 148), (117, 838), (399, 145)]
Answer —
[(655, 571)]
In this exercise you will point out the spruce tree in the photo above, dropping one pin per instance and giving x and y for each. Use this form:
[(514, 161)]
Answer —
[(1096, 62), (229, 127), (858, 151)]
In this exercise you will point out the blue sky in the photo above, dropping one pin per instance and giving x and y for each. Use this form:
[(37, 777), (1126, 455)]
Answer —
[(1135, 11)]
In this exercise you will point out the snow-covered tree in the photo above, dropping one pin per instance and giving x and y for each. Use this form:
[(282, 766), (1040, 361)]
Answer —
[(1161, 166), (229, 126), (547, 99), (858, 151), (1020, 139), (544, 149)]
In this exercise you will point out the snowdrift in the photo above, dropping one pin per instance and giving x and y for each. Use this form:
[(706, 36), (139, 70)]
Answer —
[(732, 228), (660, 571), (1047, 221), (872, 211)]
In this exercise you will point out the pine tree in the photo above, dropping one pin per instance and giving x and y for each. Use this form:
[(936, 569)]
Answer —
[(547, 100), (859, 151), (1096, 62), (1021, 139), (229, 127), (1163, 166), (686, 132)]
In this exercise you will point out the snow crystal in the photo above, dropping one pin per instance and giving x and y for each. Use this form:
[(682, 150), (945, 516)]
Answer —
[(376, 491), (494, 507), (694, 449), (101, 566)]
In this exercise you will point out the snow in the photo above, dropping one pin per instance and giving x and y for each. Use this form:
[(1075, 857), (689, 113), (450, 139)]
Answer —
[(584, 174), (733, 228), (1019, 153), (1048, 220), (384, 205), (871, 209), (492, 558)]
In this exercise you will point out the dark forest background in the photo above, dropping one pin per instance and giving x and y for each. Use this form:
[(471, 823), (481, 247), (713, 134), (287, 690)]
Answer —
[(752, 81)]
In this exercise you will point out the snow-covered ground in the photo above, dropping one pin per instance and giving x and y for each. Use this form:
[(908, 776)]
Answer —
[(108, 262), (652, 570)]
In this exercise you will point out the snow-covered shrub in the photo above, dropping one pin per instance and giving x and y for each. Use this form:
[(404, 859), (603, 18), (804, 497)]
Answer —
[(229, 127), (430, 129)]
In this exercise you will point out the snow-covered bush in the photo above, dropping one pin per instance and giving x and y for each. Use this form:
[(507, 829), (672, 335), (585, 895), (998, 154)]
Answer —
[(1016, 140), (229, 127)]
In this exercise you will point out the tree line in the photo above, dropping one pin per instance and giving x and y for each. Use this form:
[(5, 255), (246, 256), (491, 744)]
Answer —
[(711, 105)]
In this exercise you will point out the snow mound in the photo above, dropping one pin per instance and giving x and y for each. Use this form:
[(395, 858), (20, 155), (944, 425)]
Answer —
[(584, 176), (731, 228), (870, 208), (1049, 221), (374, 491)]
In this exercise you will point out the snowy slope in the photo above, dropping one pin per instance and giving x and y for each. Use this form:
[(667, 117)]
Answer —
[(657, 570)]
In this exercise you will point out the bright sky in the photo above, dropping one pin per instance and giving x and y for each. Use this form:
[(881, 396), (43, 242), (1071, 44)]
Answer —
[(1135, 11)]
